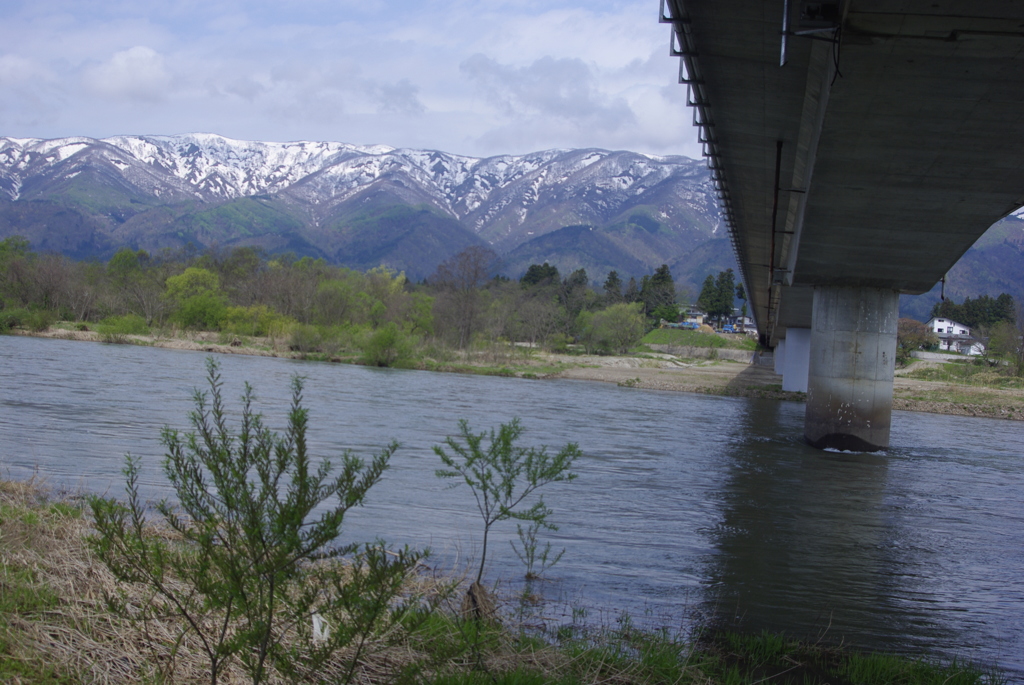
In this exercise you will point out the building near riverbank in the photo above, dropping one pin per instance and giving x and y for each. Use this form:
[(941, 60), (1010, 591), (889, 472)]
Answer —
[(955, 337)]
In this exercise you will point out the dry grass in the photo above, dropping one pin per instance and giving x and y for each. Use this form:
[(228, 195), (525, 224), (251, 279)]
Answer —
[(78, 634), (56, 627), (45, 553)]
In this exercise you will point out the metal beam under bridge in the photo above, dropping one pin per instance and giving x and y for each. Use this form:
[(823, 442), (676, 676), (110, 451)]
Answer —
[(859, 148)]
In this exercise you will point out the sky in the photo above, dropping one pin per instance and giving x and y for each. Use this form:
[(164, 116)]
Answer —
[(474, 78)]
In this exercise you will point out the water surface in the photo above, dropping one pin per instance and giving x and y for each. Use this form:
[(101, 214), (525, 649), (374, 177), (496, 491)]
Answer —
[(687, 507)]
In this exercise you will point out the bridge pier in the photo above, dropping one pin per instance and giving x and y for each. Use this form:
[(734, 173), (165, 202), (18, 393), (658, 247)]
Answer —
[(852, 359), (780, 357), (797, 359)]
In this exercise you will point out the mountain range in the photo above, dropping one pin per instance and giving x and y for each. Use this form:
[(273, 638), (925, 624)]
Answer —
[(364, 206)]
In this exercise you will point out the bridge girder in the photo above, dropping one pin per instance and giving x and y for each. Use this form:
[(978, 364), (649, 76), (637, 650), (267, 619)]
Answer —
[(856, 143)]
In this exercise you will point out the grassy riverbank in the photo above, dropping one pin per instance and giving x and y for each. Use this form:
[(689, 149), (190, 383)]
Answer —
[(56, 627), (924, 386)]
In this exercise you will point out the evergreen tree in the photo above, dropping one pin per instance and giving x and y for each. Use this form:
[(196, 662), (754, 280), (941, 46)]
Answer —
[(632, 293), (577, 279), (540, 274), (613, 288), (708, 295), (983, 311), (725, 287), (658, 292), (716, 295), (741, 294), (573, 295)]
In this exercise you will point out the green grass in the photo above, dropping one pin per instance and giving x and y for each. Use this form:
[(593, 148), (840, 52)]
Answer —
[(771, 657), (23, 596), (690, 338), (116, 329), (972, 373)]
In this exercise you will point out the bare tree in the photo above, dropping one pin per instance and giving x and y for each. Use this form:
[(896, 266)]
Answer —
[(82, 289), (540, 318), (292, 289), (52, 274), (459, 280)]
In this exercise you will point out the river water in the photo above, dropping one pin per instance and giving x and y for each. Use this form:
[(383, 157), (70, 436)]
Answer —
[(687, 507)]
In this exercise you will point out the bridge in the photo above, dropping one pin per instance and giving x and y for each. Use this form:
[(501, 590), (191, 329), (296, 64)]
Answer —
[(859, 148)]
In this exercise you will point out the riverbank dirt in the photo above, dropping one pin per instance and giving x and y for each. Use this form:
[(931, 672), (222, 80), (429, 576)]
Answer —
[(652, 371)]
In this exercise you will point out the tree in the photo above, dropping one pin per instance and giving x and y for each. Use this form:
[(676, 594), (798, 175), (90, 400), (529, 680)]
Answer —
[(539, 274), (574, 295), (503, 476), (138, 284), (982, 312), (16, 262), (632, 293), (725, 285), (197, 299), (238, 269), (741, 294), (912, 335), (458, 280), (615, 328), (716, 295), (658, 292), (237, 567), (1007, 341), (539, 319), (613, 288), (708, 298)]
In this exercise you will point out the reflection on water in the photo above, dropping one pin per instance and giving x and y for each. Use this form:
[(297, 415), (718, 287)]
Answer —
[(686, 505), (912, 548), (798, 521)]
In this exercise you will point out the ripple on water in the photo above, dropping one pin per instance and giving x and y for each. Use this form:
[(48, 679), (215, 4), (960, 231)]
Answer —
[(687, 505)]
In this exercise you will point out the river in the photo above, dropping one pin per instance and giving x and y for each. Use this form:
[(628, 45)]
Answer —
[(687, 507)]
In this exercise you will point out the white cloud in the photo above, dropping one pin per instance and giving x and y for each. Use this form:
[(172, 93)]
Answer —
[(134, 74), (401, 97), (18, 70), (505, 76), (561, 88), (604, 39)]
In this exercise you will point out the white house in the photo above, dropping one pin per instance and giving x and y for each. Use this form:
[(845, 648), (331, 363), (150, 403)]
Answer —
[(955, 337)]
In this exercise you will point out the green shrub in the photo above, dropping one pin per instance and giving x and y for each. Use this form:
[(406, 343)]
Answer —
[(614, 329), (39, 320), (504, 475), (256, 321), (202, 312), (325, 341), (250, 566), (12, 318), (387, 346), (559, 342), (305, 339)]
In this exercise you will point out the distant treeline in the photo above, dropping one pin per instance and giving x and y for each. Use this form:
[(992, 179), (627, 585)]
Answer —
[(319, 309), (981, 312)]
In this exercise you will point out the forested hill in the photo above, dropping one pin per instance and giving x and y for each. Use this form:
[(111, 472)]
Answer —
[(367, 206), (994, 265), (363, 206)]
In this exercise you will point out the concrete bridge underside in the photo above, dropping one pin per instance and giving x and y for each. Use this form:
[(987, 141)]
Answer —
[(859, 147)]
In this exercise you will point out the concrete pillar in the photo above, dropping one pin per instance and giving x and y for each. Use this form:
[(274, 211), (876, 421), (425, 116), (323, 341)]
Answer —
[(853, 352), (798, 351), (780, 357)]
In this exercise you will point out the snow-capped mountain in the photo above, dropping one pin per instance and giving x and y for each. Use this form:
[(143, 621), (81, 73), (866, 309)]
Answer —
[(338, 200)]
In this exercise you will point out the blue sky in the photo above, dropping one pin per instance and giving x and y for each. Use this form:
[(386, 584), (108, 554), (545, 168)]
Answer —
[(475, 78)]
